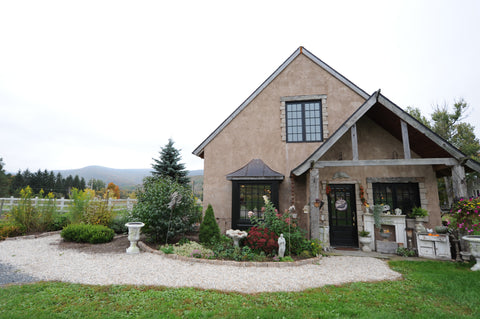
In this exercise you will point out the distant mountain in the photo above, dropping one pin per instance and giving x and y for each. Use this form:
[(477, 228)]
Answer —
[(121, 177)]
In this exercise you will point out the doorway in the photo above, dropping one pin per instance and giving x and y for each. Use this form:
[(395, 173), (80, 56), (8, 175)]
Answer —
[(342, 215)]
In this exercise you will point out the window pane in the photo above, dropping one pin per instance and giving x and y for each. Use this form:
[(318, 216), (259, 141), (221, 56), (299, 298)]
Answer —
[(304, 121)]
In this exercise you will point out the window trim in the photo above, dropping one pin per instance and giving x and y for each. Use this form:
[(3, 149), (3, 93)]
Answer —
[(322, 98), (394, 185), (244, 224), (303, 118)]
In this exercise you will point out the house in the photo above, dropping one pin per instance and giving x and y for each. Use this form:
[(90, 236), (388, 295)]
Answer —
[(310, 138)]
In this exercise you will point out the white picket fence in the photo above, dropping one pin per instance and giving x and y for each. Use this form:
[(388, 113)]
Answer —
[(6, 204)]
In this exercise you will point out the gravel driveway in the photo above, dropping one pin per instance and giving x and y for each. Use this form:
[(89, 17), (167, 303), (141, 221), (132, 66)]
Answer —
[(48, 258)]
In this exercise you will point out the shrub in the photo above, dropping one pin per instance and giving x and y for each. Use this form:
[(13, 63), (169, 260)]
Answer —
[(119, 221), (82, 233), (465, 215), (98, 212), (166, 208), (32, 215), (80, 203), (262, 239), (405, 252), (284, 224), (286, 259), (10, 230), (209, 231), (167, 249), (187, 249), (315, 247)]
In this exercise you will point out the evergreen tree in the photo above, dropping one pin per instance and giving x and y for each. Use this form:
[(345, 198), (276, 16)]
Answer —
[(168, 165), (4, 180), (209, 231)]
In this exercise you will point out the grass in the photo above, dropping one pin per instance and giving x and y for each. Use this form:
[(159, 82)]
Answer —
[(430, 289)]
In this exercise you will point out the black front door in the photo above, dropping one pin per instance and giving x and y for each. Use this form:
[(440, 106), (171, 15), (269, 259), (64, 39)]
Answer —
[(342, 215)]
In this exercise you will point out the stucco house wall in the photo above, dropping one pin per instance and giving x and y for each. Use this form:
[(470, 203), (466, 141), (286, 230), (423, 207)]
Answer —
[(256, 132)]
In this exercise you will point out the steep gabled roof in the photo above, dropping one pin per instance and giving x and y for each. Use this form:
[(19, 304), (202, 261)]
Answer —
[(301, 50), (384, 112)]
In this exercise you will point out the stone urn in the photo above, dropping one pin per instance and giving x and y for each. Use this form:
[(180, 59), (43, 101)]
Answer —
[(365, 241), (474, 241), (134, 236), (236, 235)]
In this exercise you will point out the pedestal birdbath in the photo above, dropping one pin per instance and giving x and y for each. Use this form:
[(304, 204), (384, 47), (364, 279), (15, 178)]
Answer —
[(134, 236), (236, 235)]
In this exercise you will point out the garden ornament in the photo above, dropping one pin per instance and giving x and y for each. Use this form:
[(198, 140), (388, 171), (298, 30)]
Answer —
[(281, 246)]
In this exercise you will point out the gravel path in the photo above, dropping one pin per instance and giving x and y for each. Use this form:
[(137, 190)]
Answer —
[(43, 258)]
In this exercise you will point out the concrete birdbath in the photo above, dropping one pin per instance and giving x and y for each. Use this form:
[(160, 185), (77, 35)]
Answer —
[(134, 236), (236, 235)]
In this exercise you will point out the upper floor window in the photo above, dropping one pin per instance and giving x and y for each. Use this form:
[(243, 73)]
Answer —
[(304, 121)]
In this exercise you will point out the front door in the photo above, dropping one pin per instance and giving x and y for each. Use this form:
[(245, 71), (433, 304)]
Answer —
[(342, 215)]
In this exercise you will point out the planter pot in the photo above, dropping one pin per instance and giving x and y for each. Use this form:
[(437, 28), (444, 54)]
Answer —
[(365, 241), (134, 236), (474, 241), (441, 229), (422, 219)]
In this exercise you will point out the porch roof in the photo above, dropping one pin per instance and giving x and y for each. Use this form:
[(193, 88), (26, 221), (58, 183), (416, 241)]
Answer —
[(389, 116), (256, 169)]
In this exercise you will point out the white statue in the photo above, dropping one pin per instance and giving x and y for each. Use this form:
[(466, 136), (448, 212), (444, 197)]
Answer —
[(281, 246)]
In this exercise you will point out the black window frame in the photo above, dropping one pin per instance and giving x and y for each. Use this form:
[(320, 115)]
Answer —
[(304, 119), (244, 223), (405, 196)]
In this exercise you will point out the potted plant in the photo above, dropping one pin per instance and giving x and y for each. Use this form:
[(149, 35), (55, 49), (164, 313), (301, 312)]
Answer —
[(464, 220), (420, 214), (365, 240), (377, 210)]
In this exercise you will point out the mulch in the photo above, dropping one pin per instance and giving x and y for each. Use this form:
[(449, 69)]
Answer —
[(118, 245)]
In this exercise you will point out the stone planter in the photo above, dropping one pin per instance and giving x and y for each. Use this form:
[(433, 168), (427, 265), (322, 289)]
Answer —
[(134, 236), (474, 241), (365, 241)]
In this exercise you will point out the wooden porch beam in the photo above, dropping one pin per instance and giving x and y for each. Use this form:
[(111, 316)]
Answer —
[(353, 132), (405, 141), (388, 162)]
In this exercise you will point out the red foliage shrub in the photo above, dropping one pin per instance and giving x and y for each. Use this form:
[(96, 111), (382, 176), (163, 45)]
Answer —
[(262, 239)]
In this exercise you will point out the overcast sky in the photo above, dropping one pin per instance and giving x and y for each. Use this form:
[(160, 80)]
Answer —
[(109, 82)]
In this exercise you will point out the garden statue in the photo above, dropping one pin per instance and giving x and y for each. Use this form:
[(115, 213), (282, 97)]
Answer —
[(281, 246)]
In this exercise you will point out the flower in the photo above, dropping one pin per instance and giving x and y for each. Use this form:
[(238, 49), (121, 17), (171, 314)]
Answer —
[(464, 215), (250, 214), (265, 199)]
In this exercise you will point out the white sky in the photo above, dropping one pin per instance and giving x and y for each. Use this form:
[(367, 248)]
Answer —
[(109, 82)]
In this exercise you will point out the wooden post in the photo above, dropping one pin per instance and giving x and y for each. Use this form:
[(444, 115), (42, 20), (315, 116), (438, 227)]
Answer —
[(354, 142), (459, 184), (405, 140), (448, 189), (314, 211)]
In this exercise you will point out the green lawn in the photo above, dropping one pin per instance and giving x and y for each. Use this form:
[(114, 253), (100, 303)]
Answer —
[(430, 289)]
